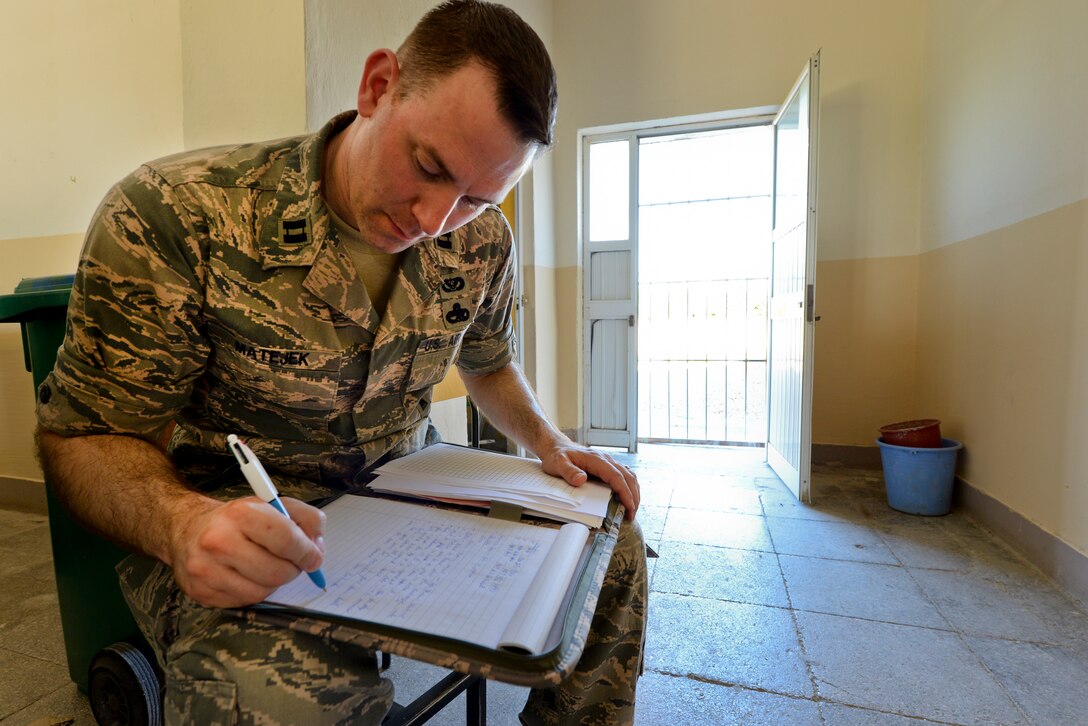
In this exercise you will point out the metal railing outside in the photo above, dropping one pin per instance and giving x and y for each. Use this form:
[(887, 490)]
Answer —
[(702, 361)]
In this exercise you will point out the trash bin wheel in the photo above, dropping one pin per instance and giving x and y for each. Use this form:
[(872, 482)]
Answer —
[(123, 688)]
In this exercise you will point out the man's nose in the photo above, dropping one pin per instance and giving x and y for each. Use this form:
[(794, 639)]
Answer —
[(432, 210)]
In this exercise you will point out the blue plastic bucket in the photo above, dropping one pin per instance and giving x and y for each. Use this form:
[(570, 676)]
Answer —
[(917, 480)]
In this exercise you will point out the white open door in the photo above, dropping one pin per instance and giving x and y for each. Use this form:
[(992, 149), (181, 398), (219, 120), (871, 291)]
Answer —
[(793, 283), (610, 289)]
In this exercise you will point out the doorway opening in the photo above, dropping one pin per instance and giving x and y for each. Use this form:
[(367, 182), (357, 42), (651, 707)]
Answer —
[(764, 192), (704, 267)]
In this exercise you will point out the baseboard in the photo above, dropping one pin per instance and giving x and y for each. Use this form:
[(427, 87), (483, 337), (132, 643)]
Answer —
[(1067, 566), (851, 457), (25, 495)]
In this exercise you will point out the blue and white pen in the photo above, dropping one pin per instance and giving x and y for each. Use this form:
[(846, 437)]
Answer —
[(263, 487)]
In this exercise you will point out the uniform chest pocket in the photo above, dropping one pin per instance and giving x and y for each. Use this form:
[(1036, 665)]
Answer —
[(255, 380), (432, 361)]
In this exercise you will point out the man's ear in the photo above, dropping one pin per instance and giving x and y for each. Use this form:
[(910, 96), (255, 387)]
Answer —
[(380, 76)]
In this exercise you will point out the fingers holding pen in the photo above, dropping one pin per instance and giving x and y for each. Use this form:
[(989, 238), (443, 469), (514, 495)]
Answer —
[(242, 550)]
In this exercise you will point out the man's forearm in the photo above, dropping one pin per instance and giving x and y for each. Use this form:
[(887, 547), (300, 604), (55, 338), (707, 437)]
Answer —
[(506, 399), (121, 487), (509, 403)]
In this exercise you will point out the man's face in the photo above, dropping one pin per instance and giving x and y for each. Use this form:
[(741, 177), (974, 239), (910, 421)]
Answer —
[(423, 165)]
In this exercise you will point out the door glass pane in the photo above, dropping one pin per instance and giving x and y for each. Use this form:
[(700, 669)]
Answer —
[(791, 163), (609, 191)]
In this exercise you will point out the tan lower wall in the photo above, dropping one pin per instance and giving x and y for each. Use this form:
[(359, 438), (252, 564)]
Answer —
[(1003, 362), (567, 347), (864, 348)]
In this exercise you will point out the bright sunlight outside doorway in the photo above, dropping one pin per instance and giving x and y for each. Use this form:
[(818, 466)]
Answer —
[(704, 215)]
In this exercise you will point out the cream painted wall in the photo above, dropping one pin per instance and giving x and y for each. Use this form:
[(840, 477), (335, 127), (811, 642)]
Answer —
[(1002, 330), (92, 89), (1005, 109), (243, 70), (635, 60), (99, 89)]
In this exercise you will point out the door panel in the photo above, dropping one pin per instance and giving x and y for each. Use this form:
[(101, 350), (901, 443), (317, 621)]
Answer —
[(793, 279), (610, 291)]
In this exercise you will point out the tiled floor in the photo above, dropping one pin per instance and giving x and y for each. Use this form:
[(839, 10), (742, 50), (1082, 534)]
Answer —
[(762, 611)]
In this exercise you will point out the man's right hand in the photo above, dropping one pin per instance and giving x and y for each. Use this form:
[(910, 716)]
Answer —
[(232, 554), (224, 554)]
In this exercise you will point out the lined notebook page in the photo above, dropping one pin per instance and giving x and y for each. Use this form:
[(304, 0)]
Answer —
[(455, 464), (448, 573)]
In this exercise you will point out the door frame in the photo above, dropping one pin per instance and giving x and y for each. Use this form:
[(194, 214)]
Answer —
[(634, 132)]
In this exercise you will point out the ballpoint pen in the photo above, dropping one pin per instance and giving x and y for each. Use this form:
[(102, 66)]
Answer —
[(263, 487)]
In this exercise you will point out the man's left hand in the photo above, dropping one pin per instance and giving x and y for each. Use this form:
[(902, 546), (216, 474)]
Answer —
[(576, 464)]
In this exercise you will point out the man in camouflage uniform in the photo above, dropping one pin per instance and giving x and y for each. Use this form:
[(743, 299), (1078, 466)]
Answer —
[(307, 294)]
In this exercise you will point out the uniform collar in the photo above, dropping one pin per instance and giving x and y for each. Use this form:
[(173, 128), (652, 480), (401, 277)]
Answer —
[(295, 224)]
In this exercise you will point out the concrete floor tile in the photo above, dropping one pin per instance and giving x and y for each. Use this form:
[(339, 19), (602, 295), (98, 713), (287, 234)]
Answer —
[(851, 497), (858, 589), (65, 705), (831, 540), (652, 520), (904, 670), (33, 628), (721, 529), (780, 503), (720, 573), (1048, 682), (25, 579), (719, 496), (990, 557), (732, 643), (974, 605), (26, 553), (837, 715), (926, 543), (14, 521), (670, 700), (655, 486), (26, 680)]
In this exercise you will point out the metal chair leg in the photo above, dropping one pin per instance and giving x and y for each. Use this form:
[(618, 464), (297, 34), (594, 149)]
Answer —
[(476, 703)]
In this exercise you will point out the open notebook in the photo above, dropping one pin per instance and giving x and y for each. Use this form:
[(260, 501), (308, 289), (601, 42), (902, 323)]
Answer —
[(456, 473), (481, 580)]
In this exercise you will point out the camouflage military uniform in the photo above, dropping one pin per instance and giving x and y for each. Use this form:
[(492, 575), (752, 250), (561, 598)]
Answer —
[(213, 292)]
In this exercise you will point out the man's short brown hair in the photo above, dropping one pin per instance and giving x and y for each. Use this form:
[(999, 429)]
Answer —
[(459, 31)]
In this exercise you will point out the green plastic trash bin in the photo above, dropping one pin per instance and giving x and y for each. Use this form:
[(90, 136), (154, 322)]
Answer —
[(93, 613)]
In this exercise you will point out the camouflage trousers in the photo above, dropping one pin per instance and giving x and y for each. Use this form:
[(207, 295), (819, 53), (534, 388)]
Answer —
[(220, 669)]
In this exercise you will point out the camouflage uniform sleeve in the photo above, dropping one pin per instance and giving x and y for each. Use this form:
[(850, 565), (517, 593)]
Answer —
[(133, 345), (489, 342)]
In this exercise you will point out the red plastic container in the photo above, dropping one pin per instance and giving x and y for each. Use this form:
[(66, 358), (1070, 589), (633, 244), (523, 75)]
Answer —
[(922, 433)]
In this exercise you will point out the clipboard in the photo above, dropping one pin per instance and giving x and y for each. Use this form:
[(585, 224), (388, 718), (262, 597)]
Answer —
[(563, 646)]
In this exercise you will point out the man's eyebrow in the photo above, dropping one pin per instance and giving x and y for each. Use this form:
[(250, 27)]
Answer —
[(444, 172)]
